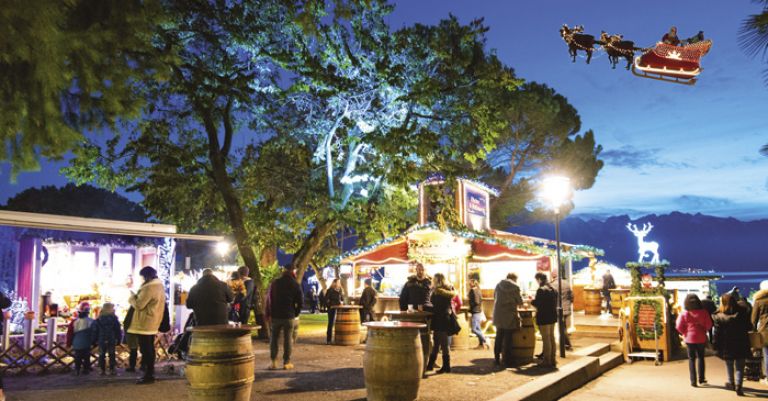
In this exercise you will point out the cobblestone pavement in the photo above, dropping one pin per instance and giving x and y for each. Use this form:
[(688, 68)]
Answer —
[(322, 371)]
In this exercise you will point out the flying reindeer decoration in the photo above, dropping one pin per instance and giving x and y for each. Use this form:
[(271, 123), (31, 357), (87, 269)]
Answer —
[(642, 246)]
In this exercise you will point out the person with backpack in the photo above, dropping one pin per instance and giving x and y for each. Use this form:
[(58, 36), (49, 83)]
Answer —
[(107, 333), (442, 295), (149, 309)]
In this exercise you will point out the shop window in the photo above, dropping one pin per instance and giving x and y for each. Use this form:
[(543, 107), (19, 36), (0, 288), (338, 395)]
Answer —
[(122, 266)]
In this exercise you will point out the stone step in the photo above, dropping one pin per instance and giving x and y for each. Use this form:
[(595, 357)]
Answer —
[(594, 350), (610, 360), (595, 334)]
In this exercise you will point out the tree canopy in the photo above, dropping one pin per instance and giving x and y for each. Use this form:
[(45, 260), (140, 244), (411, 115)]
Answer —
[(284, 121), (81, 201), (69, 66)]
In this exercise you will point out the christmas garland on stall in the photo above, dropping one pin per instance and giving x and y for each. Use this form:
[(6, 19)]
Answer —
[(635, 272)]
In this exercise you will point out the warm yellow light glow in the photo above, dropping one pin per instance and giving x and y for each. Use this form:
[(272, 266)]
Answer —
[(222, 247), (556, 190)]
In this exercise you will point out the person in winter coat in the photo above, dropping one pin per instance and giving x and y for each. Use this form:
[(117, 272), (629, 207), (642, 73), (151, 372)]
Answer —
[(209, 298), (694, 324), (284, 302), (80, 338), (476, 309), (417, 290), (507, 299), (760, 321), (608, 284), (5, 302), (333, 297), (732, 325), (567, 295), (236, 284), (442, 294), (106, 331), (250, 293), (709, 305), (367, 301), (546, 317), (149, 305)]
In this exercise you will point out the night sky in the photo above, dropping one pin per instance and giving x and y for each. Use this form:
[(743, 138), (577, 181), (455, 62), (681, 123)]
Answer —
[(667, 147)]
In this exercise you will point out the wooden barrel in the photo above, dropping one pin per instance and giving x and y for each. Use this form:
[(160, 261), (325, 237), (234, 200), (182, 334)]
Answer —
[(592, 301), (220, 363), (393, 361), (460, 341), (347, 325), (578, 297), (523, 340), (421, 317), (617, 300)]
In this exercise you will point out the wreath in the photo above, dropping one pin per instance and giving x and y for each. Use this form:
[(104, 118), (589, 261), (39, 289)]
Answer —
[(635, 272), (645, 333)]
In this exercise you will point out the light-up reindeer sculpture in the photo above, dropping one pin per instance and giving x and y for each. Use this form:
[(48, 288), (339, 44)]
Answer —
[(642, 246)]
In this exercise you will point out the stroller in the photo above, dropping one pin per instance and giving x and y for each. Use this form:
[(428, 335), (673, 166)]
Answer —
[(180, 345)]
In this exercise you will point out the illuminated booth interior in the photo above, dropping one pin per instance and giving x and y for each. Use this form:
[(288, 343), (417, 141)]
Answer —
[(477, 251)]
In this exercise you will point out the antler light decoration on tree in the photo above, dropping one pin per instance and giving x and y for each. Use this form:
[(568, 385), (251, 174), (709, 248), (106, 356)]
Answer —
[(642, 245)]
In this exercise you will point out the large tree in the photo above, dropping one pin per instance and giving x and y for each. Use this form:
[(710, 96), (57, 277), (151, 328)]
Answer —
[(540, 137), (81, 201), (754, 40), (68, 66), (283, 121)]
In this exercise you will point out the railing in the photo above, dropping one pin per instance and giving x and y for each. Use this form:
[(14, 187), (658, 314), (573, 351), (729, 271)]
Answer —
[(39, 353)]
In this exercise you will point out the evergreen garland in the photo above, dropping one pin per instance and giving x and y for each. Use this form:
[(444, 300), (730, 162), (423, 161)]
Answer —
[(645, 334)]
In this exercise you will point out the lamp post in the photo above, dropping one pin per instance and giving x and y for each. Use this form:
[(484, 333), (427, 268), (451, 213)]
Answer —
[(556, 191)]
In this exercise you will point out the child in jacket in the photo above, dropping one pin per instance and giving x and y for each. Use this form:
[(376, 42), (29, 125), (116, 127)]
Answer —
[(107, 333), (80, 338)]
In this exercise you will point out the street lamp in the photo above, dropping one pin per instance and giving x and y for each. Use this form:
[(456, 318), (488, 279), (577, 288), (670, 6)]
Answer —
[(556, 191)]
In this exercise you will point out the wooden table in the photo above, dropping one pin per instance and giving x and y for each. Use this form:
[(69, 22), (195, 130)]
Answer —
[(392, 363), (416, 317), (220, 363), (347, 324)]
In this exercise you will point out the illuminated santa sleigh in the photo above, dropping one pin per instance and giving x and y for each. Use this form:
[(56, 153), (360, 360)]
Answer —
[(678, 64)]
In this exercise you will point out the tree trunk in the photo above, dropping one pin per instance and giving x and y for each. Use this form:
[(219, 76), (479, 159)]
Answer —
[(232, 203), (311, 245)]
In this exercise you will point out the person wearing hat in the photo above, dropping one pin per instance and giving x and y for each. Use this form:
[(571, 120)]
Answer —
[(284, 301), (80, 338), (107, 332), (760, 322), (148, 304)]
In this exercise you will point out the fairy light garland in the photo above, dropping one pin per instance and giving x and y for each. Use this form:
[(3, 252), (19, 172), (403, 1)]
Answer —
[(576, 252)]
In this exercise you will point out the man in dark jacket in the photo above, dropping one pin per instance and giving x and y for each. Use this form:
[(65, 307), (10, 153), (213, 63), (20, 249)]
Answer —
[(210, 299), (760, 321), (285, 299), (417, 290), (245, 307), (608, 285), (546, 316), (367, 301)]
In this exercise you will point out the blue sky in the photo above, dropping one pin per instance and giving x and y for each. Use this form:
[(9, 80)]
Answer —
[(667, 147)]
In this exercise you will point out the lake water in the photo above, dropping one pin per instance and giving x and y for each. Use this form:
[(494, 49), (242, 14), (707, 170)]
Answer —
[(746, 281)]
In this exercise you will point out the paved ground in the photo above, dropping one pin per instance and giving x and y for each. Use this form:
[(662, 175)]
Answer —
[(642, 381), (322, 372)]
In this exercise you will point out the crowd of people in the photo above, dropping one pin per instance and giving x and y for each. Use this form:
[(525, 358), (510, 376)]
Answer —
[(727, 329), (144, 320)]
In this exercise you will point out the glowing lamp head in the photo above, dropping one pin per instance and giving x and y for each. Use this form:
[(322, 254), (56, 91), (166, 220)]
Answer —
[(556, 190), (222, 247)]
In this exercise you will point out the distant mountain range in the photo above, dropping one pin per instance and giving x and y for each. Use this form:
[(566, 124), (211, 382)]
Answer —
[(685, 240)]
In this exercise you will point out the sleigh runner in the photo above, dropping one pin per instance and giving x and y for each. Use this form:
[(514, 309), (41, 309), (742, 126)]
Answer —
[(672, 63)]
